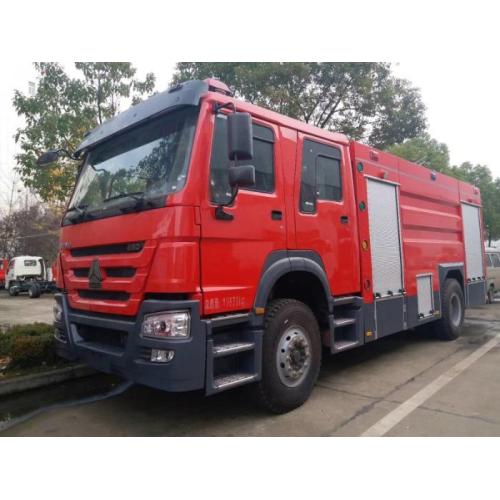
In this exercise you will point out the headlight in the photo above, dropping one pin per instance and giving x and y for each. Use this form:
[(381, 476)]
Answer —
[(58, 312), (166, 325)]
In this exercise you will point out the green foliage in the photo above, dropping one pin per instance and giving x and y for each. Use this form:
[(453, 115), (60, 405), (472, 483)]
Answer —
[(363, 100), (33, 230), (28, 352), (62, 111), (425, 151), (28, 345), (433, 154), (481, 176)]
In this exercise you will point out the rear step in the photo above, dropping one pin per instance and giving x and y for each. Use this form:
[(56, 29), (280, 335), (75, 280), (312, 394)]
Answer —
[(223, 382), (346, 324), (340, 322), (343, 345)]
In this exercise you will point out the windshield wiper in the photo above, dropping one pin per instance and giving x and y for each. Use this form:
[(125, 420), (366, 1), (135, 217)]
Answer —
[(137, 195), (81, 213)]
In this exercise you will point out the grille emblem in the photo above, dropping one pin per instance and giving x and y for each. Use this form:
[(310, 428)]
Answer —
[(95, 275)]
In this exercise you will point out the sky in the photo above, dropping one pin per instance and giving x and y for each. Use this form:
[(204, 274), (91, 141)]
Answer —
[(462, 100)]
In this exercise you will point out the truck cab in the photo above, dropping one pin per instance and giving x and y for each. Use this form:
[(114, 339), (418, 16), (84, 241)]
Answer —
[(211, 243), (27, 273)]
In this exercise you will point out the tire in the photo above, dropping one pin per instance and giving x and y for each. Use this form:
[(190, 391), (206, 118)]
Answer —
[(449, 326), (491, 296), (34, 291), (13, 292), (291, 356)]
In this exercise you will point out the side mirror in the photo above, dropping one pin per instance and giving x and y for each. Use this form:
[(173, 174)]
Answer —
[(48, 158), (239, 136), (242, 176)]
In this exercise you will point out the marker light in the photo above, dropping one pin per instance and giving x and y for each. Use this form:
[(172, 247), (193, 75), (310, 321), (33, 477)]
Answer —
[(166, 325), (161, 356), (57, 309)]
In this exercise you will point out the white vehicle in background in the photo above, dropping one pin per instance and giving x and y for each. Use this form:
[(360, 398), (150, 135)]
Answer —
[(493, 272), (28, 273)]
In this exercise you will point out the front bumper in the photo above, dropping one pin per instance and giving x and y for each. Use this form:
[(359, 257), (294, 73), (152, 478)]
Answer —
[(115, 345)]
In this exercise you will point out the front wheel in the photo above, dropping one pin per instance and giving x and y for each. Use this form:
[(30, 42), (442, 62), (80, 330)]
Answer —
[(13, 291), (291, 356)]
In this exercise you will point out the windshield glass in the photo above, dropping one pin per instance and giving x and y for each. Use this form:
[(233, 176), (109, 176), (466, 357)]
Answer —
[(146, 163)]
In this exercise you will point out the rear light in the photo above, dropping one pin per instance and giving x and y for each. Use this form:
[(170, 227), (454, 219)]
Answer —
[(166, 325)]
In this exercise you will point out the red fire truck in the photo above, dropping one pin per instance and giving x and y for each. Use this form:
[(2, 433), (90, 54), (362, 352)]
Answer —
[(4, 264), (211, 243)]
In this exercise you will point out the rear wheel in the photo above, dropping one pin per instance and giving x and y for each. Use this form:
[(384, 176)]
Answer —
[(491, 295), (291, 356), (13, 291), (449, 326), (34, 291)]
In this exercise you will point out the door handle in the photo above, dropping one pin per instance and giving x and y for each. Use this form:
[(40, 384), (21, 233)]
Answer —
[(344, 219), (276, 215)]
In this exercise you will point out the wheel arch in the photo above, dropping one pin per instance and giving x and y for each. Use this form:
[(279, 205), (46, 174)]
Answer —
[(452, 271), (297, 275)]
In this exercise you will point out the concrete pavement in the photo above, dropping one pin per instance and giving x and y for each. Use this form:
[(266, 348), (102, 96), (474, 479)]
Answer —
[(355, 391), (22, 309)]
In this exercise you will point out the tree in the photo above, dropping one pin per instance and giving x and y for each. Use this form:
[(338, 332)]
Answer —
[(363, 100), (426, 151), (31, 230), (62, 111), (480, 176)]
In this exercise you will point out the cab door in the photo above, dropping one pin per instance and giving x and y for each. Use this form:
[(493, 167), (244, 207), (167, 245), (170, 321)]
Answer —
[(235, 247), (326, 216)]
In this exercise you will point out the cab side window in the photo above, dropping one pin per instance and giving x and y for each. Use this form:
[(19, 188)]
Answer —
[(321, 175), (263, 161), (495, 259)]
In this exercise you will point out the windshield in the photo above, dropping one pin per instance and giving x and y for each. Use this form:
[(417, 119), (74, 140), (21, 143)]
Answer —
[(144, 164)]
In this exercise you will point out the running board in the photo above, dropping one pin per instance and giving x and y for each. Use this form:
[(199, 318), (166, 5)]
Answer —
[(225, 382), (233, 358)]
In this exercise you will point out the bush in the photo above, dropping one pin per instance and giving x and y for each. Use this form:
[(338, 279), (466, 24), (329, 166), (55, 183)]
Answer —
[(29, 345), (27, 352)]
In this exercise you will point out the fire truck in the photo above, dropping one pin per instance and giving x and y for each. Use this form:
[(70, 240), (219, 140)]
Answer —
[(210, 243), (4, 264)]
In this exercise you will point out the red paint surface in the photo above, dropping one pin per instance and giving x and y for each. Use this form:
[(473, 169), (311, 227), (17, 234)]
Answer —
[(188, 251)]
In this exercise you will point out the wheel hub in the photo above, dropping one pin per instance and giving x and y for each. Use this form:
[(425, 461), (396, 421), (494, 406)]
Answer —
[(294, 356)]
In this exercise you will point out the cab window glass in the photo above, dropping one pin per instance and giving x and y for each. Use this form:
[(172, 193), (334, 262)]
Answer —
[(495, 259), (321, 175), (263, 161)]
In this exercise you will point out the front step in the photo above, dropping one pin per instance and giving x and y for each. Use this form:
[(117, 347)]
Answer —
[(224, 382), (233, 357), (231, 348)]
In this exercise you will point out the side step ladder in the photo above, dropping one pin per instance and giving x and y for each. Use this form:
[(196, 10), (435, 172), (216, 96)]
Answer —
[(346, 326), (233, 353)]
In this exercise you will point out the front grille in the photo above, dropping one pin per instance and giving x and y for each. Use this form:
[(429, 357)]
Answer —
[(81, 272), (102, 336), (60, 335), (120, 272), (112, 272), (133, 247), (104, 295), (145, 353)]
